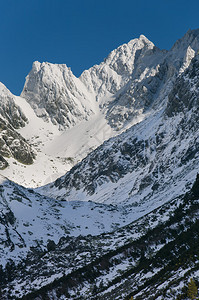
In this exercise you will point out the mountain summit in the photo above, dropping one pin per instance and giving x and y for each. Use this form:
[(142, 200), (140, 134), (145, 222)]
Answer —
[(99, 177)]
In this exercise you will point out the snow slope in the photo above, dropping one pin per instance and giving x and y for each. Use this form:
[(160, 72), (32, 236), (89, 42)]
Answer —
[(56, 151), (57, 95), (127, 133), (68, 117), (30, 220), (152, 162)]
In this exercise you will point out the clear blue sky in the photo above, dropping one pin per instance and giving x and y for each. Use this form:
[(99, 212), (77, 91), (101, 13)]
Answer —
[(81, 33)]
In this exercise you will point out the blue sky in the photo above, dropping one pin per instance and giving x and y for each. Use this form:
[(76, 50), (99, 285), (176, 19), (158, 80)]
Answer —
[(81, 33)]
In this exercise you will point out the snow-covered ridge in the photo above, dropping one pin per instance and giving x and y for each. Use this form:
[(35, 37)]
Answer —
[(123, 86), (116, 175), (115, 71), (29, 219), (12, 143), (146, 165), (9, 110), (57, 95), (69, 117)]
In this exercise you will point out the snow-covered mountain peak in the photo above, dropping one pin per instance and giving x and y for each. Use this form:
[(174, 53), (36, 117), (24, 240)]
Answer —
[(57, 95), (145, 39), (49, 69), (49, 74), (129, 85), (140, 106), (191, 38), (191, 35), (146, 161), (36, 66), (123, 58), (4, 90), (115, 72), (7, 102), (9, 111)]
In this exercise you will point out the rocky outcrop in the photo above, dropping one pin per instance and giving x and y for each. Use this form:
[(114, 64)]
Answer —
[(9, 110), (133, 79), (153, 154), (185, 94), (72, 229), (12, 144), (57, 95)]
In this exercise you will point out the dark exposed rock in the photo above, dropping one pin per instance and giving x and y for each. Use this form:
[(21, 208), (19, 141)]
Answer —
[(12, 144), (185, 94), (3, 163), (195, 188), (9, 110)]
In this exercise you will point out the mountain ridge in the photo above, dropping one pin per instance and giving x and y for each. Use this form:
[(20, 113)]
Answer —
[(116, 220), (98, 105)]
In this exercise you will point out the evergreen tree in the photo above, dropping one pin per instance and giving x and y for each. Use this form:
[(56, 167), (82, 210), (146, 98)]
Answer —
[(192, 290), (195, 188)]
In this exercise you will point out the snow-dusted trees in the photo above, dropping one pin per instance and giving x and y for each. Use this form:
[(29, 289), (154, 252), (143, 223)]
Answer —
[(192, 289)]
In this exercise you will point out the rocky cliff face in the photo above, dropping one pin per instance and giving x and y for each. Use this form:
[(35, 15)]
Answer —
[(185, 95), (57, 95), (9, 110), (141, 166), (116, 70), (151, 258), (12, 144), (133, 78), (124, 221), (151, 80)]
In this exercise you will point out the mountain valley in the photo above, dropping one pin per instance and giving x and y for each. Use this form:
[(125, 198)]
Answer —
[(99, 183)]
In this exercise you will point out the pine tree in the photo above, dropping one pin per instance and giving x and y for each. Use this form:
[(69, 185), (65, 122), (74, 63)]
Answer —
[(195, 188), (192, 290)]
